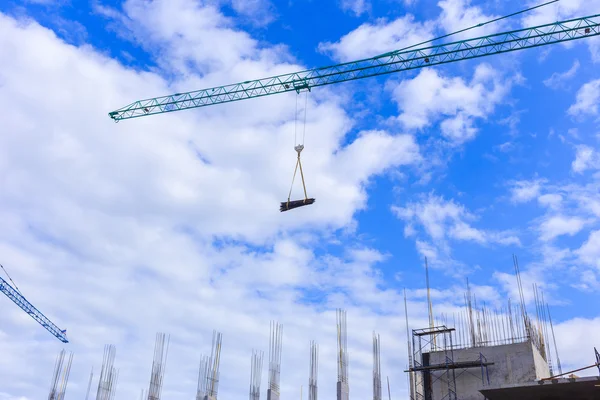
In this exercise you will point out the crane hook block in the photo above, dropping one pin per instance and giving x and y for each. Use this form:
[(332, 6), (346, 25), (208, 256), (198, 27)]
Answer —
[(289, 205)]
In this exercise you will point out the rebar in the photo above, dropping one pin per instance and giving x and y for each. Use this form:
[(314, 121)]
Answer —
[(158, 366), (108, 375), (342, 346), (276, 336), (256, 364), (60, 377), (376, 367), (314, 371)]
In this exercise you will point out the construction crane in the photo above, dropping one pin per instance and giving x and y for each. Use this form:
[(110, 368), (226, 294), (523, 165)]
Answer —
[(16, 296), (395, 61)]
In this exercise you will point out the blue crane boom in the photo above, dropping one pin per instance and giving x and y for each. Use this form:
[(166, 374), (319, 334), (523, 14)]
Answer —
[(22, 302), (395, 61)]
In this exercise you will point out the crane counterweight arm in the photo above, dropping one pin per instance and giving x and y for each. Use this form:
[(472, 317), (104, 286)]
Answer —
[(22, 302), (395, 61)]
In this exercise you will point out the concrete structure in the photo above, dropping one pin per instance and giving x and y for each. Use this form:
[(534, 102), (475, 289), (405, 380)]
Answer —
[(516, 363), (554, 389), (272, 394), (343, 391)]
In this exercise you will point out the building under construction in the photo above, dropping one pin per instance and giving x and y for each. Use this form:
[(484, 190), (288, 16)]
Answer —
[(484, 353), (476, 353)]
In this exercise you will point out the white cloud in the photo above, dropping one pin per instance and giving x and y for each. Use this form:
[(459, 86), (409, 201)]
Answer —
[(557, 79), (260, 11), (358, 7), (585, 158), (524, 191), (587, 100), (457, 15), (551, 200), (371, 39), (430, 97), (573, 334), (47, 2), (589, 252), (171, 223), (443, 220), (506, 147), (437, 215), (559, 11), (558, 225)]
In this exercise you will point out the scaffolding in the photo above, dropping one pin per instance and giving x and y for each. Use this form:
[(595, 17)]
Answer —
[(438, 339)]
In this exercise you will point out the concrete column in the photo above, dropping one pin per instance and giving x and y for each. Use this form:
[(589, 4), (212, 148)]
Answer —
[(343, 391)]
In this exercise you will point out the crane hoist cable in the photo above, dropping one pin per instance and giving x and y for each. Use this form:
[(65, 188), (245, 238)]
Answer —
[(298, 147)]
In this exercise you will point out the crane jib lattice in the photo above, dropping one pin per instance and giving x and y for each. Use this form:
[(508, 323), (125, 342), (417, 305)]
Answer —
[(395, 61), (26, 306)]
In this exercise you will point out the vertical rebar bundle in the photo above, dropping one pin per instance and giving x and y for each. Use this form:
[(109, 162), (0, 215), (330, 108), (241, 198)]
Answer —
[(60, 377), (256, 365), (314, 371), (108, 375), (87, 395), (159, 364), (343, 388), (376, 367), (211, 368), (275, 342), (208, 374), (203, 377), (342, 339)]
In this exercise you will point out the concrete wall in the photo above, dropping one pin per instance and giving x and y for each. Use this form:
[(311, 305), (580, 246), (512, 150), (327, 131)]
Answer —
[(513, 363), (541, 366)]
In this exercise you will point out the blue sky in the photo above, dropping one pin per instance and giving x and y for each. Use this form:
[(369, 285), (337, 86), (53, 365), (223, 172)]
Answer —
[(117, 231)]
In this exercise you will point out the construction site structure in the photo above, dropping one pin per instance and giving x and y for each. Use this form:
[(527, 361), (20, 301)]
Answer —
[(314, 372), (275, 347), (498, 354), (343, 388), (376, 367), (208, 375), (60, 377), (256, 365), (109, 376), (158, 366), (419, 55)]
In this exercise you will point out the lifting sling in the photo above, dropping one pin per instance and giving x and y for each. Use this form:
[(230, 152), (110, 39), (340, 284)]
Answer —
[(291, 204)]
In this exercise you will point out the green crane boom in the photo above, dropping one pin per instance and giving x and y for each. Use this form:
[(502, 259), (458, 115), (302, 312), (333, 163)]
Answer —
[(395, 61)]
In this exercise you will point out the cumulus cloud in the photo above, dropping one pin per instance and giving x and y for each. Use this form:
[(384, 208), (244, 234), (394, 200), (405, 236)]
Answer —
[(443, 220), (587, 100), (460, 14), (358, 7), (558, 79), (381, 36), (432, 97), (524, 191), (589, 252), (551, 200), (559, 225), (171, 223), (586, 157)]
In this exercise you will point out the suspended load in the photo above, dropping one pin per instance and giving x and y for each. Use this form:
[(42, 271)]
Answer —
[(291, 204)]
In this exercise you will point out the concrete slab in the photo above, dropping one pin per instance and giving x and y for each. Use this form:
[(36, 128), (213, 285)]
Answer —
[(587, 388)]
